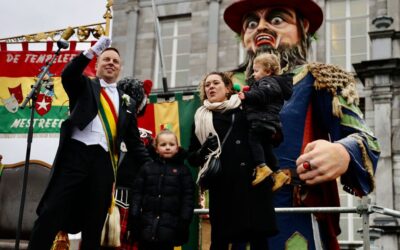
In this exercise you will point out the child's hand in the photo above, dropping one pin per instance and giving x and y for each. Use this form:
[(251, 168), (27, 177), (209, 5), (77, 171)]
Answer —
[(241, 96)]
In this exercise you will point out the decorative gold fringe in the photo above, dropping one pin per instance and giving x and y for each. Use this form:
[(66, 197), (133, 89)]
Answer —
[(337, 82), (336, 109), (300, 75), (61, 242), (110, 236), (366, 160)]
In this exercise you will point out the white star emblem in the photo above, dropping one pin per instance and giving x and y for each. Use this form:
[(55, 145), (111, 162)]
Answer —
[(42, 104)]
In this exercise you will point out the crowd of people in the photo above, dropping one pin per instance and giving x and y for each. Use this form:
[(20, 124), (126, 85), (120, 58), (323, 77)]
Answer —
[(280, 142)]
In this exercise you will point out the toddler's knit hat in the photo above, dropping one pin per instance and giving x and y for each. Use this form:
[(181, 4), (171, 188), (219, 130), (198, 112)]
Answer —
[(136, 89)]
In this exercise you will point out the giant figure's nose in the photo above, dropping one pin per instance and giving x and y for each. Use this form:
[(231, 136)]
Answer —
[(263, 24)]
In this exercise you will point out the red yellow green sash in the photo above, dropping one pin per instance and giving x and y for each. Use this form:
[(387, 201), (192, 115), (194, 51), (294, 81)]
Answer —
[(110, 235), (109, 119)]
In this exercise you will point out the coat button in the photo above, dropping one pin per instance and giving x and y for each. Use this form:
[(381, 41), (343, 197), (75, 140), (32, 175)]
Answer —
[(242, 164), (159, 196), (237, 141), (158, 217)]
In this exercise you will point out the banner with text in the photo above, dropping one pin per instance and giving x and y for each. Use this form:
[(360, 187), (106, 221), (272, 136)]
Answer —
[(19, 71)]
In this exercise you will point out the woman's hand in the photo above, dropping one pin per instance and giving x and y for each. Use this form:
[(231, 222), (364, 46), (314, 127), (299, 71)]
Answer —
[(326, 161), (210, 144)]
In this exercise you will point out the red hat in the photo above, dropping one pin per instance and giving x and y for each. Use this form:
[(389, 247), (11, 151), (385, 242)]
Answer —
[(147, 84), (235, 13)]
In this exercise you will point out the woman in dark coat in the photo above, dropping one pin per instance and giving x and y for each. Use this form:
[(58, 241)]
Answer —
[(238, 211)]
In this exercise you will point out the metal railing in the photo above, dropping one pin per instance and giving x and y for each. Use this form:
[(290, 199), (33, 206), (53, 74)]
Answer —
[(364, 209)]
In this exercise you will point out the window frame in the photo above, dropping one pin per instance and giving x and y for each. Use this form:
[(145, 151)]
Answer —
[(172, 72), (348, 18)]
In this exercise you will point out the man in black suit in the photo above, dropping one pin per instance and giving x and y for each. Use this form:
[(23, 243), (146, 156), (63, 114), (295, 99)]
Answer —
[(79, 192)]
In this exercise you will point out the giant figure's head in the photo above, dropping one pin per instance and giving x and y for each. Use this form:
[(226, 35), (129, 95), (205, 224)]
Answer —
[(282, 27)]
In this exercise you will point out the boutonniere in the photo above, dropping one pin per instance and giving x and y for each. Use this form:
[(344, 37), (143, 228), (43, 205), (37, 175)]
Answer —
[(123, 147), (126, 100)]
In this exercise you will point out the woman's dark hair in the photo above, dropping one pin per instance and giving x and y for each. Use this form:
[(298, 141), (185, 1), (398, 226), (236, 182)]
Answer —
[(225, 79)]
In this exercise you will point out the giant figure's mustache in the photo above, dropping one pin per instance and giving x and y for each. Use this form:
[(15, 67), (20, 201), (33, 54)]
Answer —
[(290, 56)]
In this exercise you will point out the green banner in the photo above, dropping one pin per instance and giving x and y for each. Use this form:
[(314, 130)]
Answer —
[(18, 123)]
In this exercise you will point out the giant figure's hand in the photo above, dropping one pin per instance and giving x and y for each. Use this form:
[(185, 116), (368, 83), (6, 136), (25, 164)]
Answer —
[(327, 161)]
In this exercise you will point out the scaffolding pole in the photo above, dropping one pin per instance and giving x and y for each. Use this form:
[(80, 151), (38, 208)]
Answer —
[(364, 210)]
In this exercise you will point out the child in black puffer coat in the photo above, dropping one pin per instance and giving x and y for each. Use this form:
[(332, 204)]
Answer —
[(162, 197), (262, 104)]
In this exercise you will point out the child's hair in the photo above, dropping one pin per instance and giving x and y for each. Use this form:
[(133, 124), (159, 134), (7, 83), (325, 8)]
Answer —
[(269, 62), (164, 132), (225, 78)]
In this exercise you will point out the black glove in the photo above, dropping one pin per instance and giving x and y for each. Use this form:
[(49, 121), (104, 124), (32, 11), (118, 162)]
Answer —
[(198, 157), (134, 229), (182, 232), (210, 144)]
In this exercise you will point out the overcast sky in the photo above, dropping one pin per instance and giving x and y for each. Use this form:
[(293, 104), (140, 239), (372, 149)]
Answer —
[(21, 17)]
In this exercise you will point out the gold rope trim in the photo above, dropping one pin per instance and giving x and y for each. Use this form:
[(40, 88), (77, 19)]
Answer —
[(299, 76), (366, 160), (337, 82)]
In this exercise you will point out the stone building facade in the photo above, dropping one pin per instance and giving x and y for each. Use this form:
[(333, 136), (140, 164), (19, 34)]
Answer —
[(363, 36)]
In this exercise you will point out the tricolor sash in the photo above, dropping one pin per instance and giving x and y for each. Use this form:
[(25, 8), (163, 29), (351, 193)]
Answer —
[(110, 235), (109, 119)]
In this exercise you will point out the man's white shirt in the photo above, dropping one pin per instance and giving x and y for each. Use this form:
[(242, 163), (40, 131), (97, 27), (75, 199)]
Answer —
[(94, 133)]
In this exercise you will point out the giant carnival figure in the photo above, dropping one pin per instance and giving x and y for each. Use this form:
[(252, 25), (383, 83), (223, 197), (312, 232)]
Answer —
[(325, 136)]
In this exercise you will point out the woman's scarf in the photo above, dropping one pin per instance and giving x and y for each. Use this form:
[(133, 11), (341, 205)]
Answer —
[(203, 120)]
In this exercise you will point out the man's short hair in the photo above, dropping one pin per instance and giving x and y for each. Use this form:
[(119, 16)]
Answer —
[(111, 48)]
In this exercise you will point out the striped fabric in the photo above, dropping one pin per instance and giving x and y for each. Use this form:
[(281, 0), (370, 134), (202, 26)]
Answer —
[(125, 244), (176, 115), (109, 119)]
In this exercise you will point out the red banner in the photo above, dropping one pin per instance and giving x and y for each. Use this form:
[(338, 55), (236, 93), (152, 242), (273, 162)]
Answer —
[(19, 70), (30, 63)]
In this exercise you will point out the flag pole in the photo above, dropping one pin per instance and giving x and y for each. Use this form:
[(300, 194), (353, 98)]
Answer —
[(108, 17), (160, 49)]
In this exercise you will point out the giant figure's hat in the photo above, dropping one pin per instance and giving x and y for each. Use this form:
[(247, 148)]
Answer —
[(308, 9)]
